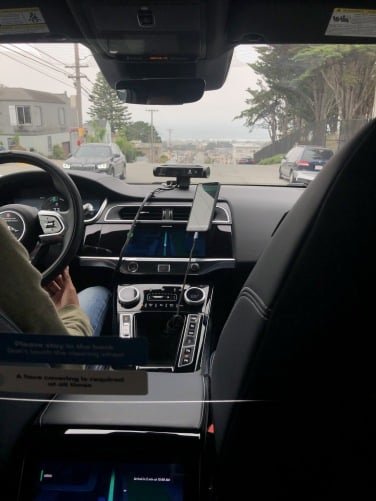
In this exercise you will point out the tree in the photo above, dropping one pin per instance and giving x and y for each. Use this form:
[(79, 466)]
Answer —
[(141, 131), (98, 133), (349, 71), (276, 104), (126, 147), (309, 88), (106, 105), (263, 110)]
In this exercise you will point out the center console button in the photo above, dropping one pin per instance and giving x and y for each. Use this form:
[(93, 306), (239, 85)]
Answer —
[(194, 296), (129, 296), (195, 267), (132, 266)]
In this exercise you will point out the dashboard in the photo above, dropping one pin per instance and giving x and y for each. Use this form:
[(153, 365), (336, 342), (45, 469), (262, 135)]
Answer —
[(244, 221)]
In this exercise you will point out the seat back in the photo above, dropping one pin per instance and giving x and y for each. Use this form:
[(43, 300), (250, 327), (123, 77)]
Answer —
[(299, 347), (16, 412)]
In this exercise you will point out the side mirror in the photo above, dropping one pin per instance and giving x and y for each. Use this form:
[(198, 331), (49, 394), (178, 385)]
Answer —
[(116, 155)]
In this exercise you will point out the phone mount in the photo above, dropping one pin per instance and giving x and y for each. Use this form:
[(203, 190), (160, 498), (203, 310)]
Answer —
[(183, 174)]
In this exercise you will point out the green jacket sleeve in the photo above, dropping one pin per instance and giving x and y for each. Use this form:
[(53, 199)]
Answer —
[(23, 299)]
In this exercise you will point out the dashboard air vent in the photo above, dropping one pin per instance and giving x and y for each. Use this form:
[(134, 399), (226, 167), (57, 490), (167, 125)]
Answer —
[(148, 213), (178, 213), (181, 213), (221, 215)]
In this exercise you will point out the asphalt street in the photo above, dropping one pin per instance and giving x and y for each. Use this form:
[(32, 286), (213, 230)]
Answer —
[(142, 172)]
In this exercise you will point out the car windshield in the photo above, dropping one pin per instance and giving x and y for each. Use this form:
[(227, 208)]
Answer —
[(312, 154), (275, 97), (93, 151)]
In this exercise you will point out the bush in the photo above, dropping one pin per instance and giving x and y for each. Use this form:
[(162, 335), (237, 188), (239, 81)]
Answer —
[(164, 158), (58, 152), (127, 148), (276, 159)]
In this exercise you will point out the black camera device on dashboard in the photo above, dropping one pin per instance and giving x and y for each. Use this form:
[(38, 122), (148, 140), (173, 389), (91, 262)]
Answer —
[(183, 174)]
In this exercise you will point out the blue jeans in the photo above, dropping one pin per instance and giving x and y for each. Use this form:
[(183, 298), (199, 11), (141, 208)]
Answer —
[(94, 301)]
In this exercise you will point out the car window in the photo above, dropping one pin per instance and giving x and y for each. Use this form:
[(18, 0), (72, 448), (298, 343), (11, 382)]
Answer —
[(93, 151), (259, 116), (319, 154), (293, 154)]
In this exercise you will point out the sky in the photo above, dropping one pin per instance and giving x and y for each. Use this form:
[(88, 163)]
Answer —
[(43, 67)]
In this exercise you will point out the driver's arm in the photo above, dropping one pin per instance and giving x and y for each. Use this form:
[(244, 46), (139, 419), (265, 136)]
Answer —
[(25, 302)]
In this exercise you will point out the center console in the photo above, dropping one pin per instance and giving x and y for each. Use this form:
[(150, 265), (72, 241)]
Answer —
[(150, 446), (149, 310)]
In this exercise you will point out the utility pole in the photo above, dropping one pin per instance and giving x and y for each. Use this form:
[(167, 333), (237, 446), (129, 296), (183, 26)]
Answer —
[(77, 81), (151, 111), (169, 142), (169, 138)]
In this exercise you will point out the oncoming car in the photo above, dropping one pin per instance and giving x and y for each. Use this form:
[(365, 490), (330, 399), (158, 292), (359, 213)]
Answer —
[(235, 354), (98, 157)]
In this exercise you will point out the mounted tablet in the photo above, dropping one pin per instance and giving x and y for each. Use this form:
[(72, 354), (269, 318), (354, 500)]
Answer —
[(203, 207)]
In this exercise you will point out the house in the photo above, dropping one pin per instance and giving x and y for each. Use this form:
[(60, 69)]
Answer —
[(35, 120), (153, 154), (241, 149)]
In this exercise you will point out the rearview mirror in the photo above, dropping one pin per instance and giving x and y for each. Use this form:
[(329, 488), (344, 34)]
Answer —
[(161, 90)]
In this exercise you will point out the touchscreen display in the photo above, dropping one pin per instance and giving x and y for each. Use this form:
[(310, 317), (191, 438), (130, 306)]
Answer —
[(164, 242), (100, 481)]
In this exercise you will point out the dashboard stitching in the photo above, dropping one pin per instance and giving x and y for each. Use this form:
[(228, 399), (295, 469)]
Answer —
[(261, 309)]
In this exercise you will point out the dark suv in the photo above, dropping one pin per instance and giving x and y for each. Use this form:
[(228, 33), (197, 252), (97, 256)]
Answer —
[(303, 158), (98, 157)]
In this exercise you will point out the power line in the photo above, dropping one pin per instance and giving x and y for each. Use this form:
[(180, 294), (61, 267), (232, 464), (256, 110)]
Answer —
[(89, 80), (35, 69), (86, 91), (46, 54), (49, 65), (36, 60), (85, 57)]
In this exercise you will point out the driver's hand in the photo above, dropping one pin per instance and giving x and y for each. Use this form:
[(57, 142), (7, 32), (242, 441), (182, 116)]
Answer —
[(62, 291)]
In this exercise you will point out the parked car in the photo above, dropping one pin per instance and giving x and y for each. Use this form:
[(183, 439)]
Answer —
[(303, 158), (306, 176), (246, 160), (98, 157)]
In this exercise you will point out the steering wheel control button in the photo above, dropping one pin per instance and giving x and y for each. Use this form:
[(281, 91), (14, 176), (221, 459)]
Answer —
[(129, 296), (194, 296), (51, 222), (132, 267), (15, 223)]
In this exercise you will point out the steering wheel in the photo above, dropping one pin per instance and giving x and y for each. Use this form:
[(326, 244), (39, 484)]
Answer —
[(36, 229)]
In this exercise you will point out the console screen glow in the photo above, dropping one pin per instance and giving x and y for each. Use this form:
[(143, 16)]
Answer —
[(94, 481)]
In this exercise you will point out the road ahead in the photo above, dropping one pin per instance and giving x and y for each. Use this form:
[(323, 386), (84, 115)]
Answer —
[(142, 172)]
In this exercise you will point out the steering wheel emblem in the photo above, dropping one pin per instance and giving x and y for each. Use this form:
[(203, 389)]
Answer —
[(15, 223)]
